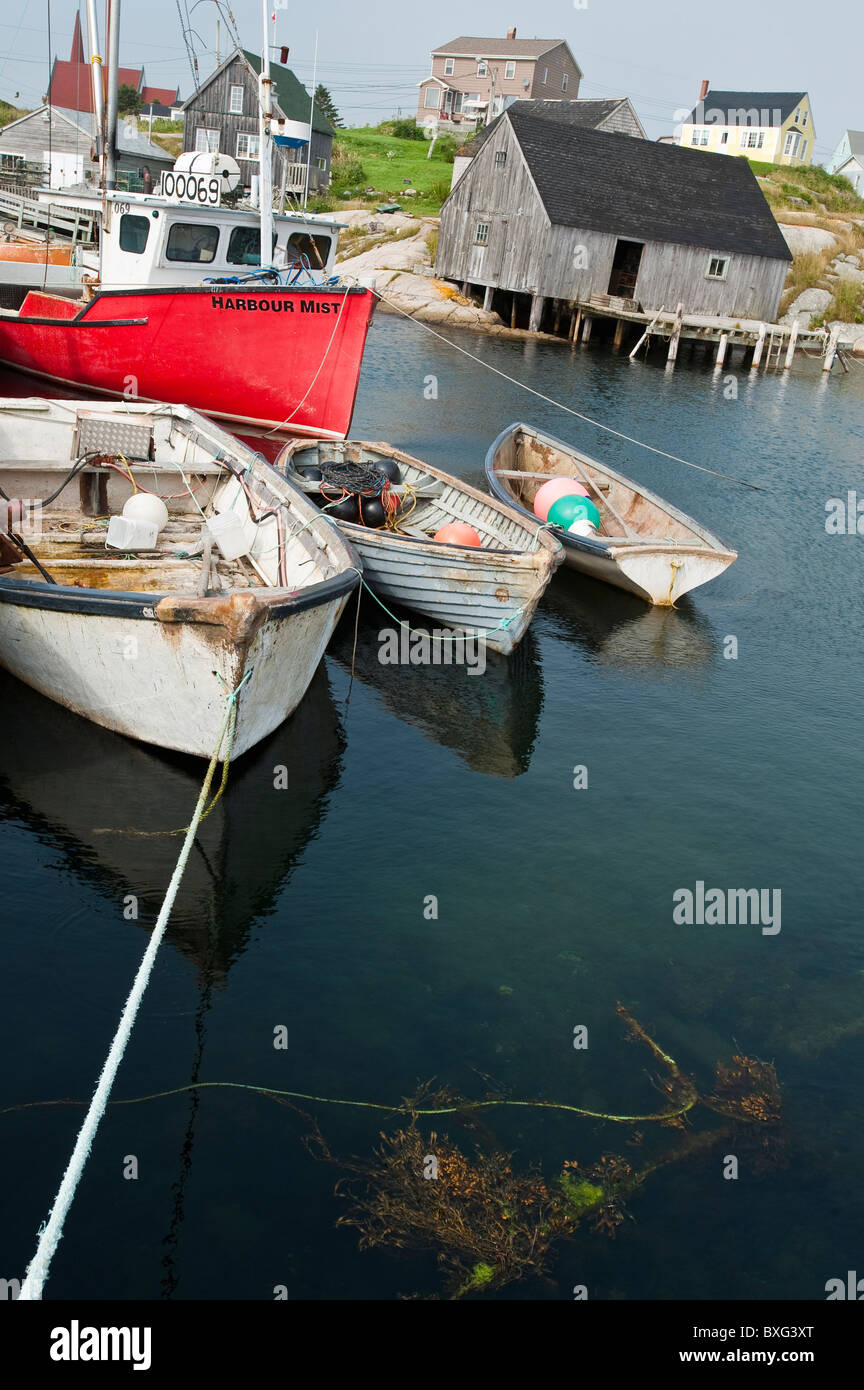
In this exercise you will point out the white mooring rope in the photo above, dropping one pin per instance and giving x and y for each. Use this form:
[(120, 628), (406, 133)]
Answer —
[(51, 1232)]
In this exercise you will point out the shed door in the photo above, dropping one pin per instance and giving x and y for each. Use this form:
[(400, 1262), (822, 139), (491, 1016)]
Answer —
[(625, 268), (64, 168)]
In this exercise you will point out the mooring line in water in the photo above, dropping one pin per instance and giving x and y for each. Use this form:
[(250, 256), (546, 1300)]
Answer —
[(51, 1231), (559, 405), (274, 1093)]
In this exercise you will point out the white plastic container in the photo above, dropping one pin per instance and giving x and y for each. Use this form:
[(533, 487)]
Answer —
[(124, 533), (230, 534), (583, 528)]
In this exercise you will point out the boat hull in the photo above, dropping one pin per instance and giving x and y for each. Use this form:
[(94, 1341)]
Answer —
[(158, 669), (278, 358), (656, 568)]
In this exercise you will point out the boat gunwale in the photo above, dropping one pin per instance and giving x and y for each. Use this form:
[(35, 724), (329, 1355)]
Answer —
[(547, 543), (609, 546)]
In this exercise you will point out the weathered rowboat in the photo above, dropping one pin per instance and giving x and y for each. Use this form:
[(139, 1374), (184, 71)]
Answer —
[(644, 544), (149, 643), (491, 590)]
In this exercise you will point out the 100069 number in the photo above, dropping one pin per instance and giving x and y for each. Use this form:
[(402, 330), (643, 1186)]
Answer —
[(191, 188)]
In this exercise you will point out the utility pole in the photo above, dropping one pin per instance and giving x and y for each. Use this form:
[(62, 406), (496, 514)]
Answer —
[(489, 109)]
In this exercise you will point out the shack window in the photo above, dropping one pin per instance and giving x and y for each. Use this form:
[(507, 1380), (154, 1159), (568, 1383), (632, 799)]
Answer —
[(500, 159), (189, 241), (206, 140), (481, 236), (244, 246), (316, 249), (247, 146), (717, 267), (235, 102), (133, 233)]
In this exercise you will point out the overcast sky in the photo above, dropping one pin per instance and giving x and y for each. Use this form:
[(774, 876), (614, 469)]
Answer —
[(373, 54)]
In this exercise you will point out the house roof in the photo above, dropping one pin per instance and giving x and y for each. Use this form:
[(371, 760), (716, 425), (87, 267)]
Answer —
[(71, 88), (497, 48), (856, 143), (736, 108), (576, 111), (129, 140), (607, 182), (160, 96), (291, 96)]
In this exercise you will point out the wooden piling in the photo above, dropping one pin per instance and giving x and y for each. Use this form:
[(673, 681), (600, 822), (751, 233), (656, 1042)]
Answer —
[(487, 297), (536, 318), (790, 351), (619, 334), (721, 349), (586, 327), (831, 349), (513, 311), (676, 335), (757, 351)]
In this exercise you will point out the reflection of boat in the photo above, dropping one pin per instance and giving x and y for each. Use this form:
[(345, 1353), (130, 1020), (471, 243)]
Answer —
[(489, 586), (643, 544), (618, 630), (490, 721), (238, 576), (71, 781)]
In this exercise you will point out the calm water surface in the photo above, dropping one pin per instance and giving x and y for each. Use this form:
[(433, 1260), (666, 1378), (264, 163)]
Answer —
[(304, 907)]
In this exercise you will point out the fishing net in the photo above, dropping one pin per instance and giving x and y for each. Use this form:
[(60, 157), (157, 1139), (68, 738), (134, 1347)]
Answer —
[(360, 479)]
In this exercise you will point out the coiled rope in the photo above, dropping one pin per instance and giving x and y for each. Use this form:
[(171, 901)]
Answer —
[(51, 1232)]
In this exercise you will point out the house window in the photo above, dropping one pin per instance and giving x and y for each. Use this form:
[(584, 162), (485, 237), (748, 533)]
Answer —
[(804, 144), (481, 236), (797, 114), (500, 159), (752, 139), (724, 137), (545, 75), (431, 98), (133, 233), (191, 241), (448, 67), (235, 101), (699, 137), (790, 146), (482, 68), (564, 82), (509, 70), (206, 140), (804, 118), (321, 164), (247, 146), (717, 267)]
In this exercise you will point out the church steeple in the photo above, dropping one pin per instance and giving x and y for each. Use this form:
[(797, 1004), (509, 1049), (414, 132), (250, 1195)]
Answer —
[(77, 54)]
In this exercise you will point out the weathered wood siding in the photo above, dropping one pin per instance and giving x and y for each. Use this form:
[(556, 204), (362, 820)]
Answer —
[(555, 63), (210, 108), (30, 138), (623, 120), (506, 199), (525, 254)]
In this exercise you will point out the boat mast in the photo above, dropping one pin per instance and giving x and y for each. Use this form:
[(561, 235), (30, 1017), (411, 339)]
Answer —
[(98, 93), (265, 154), (113, 46)]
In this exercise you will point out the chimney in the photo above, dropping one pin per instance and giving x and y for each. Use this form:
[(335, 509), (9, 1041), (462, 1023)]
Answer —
[(703, 90), (511, 33), (283, 55)]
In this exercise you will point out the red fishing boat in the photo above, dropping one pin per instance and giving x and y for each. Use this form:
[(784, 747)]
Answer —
[(275, 358)]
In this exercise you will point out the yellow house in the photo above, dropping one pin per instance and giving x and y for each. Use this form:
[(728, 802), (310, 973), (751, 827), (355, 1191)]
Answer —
[(774, 126)]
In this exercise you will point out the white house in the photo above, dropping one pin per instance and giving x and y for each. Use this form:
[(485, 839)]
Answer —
[(848, 160)]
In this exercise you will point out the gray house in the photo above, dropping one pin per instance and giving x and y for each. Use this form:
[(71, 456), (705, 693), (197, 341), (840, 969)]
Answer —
[(551, 213), (605, 113), (223, 115), (53, 147)]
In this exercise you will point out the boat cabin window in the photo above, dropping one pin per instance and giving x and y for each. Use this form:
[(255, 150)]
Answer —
[(315, 248), (244, 246), (133, 233), (191, 241)]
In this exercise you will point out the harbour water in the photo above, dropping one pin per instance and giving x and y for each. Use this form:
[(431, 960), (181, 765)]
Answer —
[(721, 745)]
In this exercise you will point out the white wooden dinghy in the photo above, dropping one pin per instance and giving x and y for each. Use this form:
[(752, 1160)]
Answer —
[(643, 544), (148, 643), (491, 589)]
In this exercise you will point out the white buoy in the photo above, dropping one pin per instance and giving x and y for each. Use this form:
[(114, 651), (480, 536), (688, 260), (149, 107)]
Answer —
[(145, 506)]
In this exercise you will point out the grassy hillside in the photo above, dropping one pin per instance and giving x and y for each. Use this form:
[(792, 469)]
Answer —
[(10, 113), (384, 161), (788, 187)]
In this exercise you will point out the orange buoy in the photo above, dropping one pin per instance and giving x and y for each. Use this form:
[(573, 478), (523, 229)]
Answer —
[(457, 533)]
